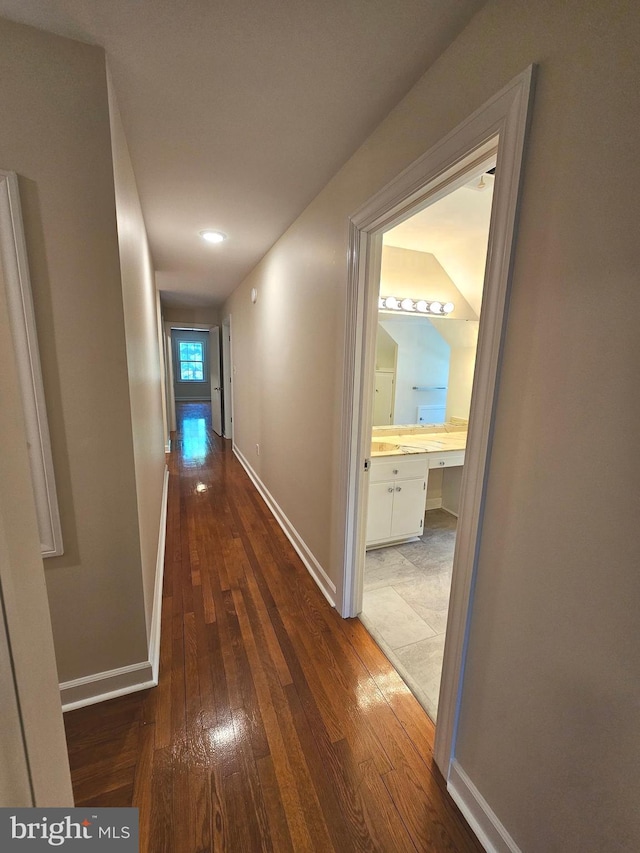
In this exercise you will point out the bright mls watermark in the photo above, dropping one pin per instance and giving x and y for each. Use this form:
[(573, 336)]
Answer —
[(26, 830)]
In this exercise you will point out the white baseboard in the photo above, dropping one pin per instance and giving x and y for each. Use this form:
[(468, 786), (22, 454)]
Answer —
[(156, 617), (101, 686), (322, 579), (450, 511), (434, 503), (482, 820), (167, 448)]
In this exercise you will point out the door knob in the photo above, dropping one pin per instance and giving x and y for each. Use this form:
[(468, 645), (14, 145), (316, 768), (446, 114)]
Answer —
[(390, 489), (398, 488)]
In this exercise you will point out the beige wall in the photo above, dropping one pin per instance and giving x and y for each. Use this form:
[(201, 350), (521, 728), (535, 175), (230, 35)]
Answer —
[(55, 134), (548, 727), (145, 369), (188, 314), (405, 272)]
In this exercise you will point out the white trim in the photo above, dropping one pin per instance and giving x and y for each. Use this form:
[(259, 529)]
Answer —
[(479, 815), (167, 448), (91, 689), (502, 122), (324, 582), (433, 503), (13, 256), (156, 615), (227, 378)]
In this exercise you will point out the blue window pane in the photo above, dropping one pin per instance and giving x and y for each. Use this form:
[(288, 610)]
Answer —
[(191, 351), (191, 371)]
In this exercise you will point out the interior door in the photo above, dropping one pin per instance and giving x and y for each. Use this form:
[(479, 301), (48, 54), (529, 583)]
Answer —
[(216, 379)]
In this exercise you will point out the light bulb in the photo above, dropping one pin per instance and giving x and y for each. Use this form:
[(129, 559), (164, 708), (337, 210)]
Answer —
[(407, 304), (422, 306), (447, 308), (435, 308), (391, 302), (213, 236)]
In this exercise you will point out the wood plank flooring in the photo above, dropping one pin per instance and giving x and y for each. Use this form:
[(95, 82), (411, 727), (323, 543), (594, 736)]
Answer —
[(276, 725)]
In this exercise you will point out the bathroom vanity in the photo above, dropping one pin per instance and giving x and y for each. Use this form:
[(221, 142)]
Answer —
[(401, 458)]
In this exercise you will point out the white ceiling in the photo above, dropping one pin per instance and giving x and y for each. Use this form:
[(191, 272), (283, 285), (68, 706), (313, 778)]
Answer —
[(456, 230), (237, 112)]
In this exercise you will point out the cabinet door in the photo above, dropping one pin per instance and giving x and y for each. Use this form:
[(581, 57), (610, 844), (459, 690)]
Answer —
[(409, 498), (379, 511)]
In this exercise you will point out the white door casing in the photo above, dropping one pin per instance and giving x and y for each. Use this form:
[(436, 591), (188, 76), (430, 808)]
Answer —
[(34, 770), (500, 123), (169, 377), (227, 377), (13, 259), (216, 379)]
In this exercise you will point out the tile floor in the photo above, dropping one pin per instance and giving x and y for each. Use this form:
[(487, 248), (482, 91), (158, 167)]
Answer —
[(406, 597)]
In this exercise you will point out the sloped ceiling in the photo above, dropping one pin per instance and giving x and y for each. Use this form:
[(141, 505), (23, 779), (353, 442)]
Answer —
[(455, 230), (237, 112)]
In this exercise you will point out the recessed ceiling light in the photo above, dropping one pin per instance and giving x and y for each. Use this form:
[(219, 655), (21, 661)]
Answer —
[(213, 236)]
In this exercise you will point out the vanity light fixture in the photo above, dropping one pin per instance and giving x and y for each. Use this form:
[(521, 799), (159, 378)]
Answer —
[(213, 236), (410, 306)]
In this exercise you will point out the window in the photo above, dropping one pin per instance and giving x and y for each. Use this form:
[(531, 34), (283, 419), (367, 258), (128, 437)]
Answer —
[(191, 357)]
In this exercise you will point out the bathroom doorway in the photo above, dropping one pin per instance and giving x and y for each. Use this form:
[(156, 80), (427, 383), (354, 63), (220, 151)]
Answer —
[(496, 130), (429, 304)]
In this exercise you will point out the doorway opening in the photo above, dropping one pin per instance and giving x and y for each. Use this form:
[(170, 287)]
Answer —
[(430, 296), (193, 370), (495, 133)]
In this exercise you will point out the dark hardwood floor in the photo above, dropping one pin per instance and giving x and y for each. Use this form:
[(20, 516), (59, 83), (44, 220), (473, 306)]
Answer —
[(276, 724)]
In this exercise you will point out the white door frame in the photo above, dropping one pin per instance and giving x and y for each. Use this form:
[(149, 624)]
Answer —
[(227, 377), (503, 120), (35, 764), (215, 360), (171, 395)]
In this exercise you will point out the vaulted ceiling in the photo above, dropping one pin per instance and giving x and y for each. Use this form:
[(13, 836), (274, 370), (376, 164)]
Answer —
[(237, 112)]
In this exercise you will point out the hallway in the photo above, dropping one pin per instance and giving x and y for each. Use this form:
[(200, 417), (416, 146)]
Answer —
[(276, 725)]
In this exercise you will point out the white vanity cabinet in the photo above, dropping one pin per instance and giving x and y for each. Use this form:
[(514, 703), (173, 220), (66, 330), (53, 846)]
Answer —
[(397, 498)]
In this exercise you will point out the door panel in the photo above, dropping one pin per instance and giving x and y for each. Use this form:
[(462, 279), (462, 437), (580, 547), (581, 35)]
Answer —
[(408, 507), (379, 511), (216, 380)]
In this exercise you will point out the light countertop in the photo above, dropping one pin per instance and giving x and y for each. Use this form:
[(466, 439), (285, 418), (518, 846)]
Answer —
[(418, 441)]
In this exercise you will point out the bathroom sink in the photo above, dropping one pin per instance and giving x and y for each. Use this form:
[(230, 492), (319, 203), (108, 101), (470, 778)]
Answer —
[(385, 447)]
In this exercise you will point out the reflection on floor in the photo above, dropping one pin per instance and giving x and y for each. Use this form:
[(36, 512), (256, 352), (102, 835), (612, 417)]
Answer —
[(193, 422), (406, 597)]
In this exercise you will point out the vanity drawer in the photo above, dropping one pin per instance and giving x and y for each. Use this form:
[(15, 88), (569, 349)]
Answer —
[(397, 467), (448, 459)]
